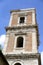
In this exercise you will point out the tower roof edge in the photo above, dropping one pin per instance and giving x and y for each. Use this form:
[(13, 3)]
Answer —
[(19, 10)]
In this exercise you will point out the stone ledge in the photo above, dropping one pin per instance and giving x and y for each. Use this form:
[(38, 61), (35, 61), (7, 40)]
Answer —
[(21, 27), (22, 56)]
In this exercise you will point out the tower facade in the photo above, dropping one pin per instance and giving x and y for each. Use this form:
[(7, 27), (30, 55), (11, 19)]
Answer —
[(22, 41)]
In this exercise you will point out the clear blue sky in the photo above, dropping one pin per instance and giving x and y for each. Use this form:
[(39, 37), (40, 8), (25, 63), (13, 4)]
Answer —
[(7, 5)]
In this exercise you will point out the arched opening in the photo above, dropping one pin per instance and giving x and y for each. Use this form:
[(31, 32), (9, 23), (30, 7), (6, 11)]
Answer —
[(17, 64), (20, 42)]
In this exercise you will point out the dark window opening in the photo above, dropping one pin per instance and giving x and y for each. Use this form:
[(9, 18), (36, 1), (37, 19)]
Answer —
[(20, 42), (17, 64), (22, 19)]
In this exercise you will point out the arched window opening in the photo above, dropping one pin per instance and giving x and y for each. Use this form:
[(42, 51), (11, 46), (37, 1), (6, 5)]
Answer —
[(17, 64), (20, 42)]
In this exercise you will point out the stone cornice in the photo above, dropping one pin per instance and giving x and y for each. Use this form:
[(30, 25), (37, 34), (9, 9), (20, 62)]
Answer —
[(21, 27), (22, 56), (20, 10)]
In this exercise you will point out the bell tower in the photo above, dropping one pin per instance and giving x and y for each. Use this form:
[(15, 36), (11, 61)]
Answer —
[(22, 40)]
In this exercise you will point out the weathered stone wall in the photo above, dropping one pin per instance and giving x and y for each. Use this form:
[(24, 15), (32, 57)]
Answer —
[(24, 62)]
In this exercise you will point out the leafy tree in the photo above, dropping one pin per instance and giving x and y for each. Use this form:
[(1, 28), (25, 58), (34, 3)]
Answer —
[(0, 47)]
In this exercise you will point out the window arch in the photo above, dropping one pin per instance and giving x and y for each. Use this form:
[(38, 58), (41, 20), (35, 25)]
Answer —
[(17, 64), (19, 42)]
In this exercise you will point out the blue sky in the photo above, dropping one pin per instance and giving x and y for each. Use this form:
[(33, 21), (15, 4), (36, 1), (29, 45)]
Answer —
[(7, 5)]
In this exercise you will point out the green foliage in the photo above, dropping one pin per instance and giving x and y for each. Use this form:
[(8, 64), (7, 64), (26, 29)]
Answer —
[(0, 47)]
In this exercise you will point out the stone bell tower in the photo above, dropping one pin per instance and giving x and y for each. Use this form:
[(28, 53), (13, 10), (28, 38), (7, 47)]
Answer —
[(22, 41)]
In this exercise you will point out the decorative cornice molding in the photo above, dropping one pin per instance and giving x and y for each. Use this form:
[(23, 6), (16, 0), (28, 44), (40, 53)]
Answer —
[(22, 56), (21, 27), (20, 10)]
